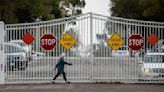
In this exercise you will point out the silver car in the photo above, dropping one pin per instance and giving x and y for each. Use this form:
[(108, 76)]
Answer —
[(28, 48), (123, 51), (15, 56), (152, 66)]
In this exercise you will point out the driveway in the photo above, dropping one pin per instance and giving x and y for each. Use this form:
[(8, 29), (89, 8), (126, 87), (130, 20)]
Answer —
[(85, 87)]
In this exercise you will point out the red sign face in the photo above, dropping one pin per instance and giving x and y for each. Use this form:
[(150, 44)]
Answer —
[(152, 39), (135, 42), (48, 41), (28, 38)]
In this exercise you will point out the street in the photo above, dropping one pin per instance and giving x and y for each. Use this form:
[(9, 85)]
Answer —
[(60, 87)]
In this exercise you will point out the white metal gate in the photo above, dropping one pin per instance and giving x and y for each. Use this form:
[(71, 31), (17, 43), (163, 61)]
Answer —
[(91, 56)]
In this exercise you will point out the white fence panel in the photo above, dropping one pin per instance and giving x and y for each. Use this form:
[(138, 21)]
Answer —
[(93, 59)]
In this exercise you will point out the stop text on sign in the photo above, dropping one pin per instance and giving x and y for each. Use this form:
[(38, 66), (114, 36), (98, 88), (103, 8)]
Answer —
[(135, 42), (48, 41)]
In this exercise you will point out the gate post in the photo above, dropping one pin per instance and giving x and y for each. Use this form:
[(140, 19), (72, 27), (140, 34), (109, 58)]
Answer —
[(2, 57), (91, 41)]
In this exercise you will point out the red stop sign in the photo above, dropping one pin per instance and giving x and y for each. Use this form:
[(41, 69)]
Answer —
[(135, 42), (48, 41)]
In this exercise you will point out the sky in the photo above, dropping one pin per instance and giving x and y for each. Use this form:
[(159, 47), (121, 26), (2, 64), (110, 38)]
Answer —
[(97, 6)]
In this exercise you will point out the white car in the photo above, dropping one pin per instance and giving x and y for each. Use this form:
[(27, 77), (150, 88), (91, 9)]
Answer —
[(27, 48), (123, 51), (37, 54), (152, 66), (16, 57)]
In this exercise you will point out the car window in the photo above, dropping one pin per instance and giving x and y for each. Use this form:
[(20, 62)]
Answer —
[(154, 59), (20, 43), (12, 49)]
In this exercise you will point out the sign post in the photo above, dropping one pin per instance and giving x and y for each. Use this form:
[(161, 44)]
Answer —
[(135, 42), (48, 41)]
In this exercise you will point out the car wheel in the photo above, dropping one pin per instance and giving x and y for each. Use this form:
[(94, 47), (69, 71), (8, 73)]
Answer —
[(22, 68), (19, 65), (9, 67), (26, 64), (140, 78), (23, 65)]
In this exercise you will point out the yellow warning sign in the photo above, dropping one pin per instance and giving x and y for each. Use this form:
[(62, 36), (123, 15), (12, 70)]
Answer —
[(67, 41), (115, 42)]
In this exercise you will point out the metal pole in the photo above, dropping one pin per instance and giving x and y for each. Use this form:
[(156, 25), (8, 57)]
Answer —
[(2, 57), (91, 41)]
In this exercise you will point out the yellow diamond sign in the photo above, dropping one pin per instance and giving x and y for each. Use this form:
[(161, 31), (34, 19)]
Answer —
[(115, 42), (67, 41)]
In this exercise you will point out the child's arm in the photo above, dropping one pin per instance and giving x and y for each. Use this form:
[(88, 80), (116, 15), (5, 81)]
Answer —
[(67, 63)]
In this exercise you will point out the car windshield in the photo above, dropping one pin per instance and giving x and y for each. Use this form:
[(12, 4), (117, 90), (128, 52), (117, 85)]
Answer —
[(13, 49), (154, 59), (20, 43)]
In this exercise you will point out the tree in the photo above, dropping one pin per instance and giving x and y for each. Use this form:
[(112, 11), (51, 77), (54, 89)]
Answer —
[(18, 11), (7, 10), (126, 8), (72, 7), (152, 10), (29, 10)]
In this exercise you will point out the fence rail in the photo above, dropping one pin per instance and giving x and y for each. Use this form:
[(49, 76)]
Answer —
[(93, 59)]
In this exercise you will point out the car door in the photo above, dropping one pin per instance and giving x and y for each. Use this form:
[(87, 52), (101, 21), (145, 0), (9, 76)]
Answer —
[(14, 54)]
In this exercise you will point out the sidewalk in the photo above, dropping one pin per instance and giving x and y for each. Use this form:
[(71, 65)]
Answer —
[(77, 87)]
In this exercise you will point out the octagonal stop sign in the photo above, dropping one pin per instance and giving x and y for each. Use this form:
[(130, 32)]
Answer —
[(135, 42), (48, 41)]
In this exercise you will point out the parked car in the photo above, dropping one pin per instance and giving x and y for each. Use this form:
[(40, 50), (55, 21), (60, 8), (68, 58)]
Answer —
[(123, 51), (152, 66), (37, 54), (140, 53), (16, 57), (28, 48), (102, 51), (162, 48)]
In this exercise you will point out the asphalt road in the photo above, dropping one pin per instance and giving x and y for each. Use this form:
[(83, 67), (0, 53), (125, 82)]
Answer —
[(60, 87), (83, 70)]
